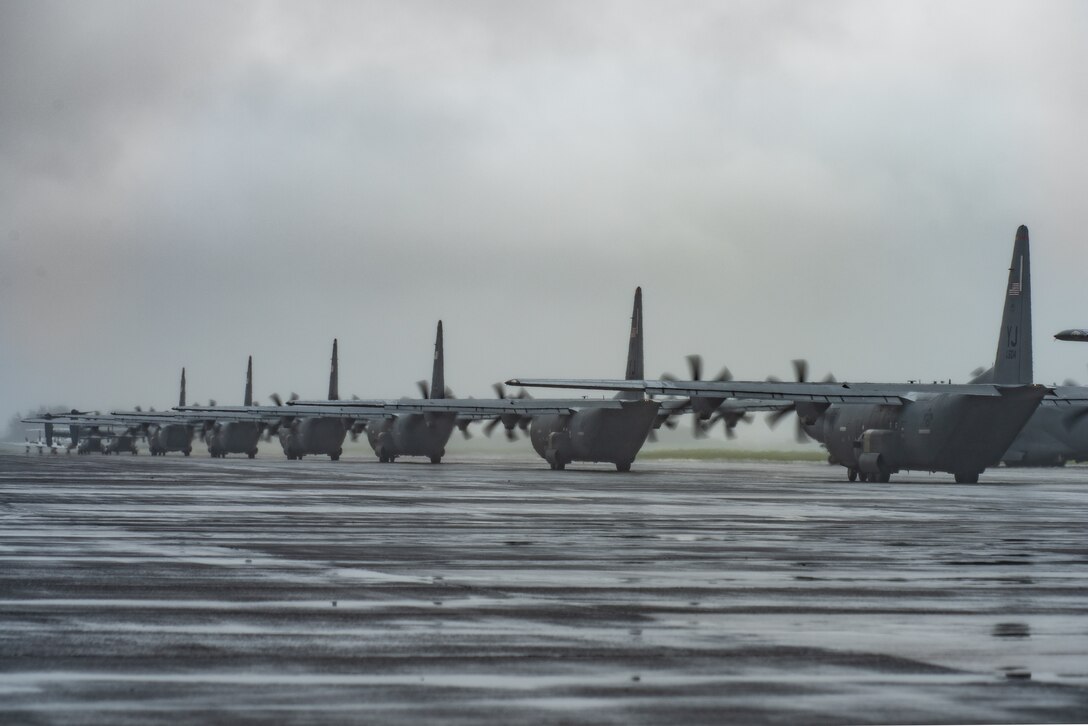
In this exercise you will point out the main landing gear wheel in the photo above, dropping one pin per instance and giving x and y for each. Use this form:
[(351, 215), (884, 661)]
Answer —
[(436, 459), (965, 477), (623, 466), (335, 456), (251, 454), (852, 473)]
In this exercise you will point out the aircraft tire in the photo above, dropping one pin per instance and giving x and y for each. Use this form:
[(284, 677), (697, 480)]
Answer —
[(436, 459), (251, 454), (851, 473), (335, 457), (623, 467), (965, 477), (187, 451)]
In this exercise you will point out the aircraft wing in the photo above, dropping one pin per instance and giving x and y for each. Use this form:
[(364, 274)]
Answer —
[(1067, 396), (87, 421), (481, 408), (271, 413), (889, 394)]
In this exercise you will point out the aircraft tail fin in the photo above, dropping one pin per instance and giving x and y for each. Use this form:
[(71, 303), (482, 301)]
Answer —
[(249, 383), (49, 434), (181, 398), (334, 374), (1013, 363), (635, 365), (438, 375)]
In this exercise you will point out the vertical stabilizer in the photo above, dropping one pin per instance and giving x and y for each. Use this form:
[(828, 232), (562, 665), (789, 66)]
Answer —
[(249, 383), (49, 434), (334, 375), (181, 398), (635, 367), (1013, 363), (438, 375)]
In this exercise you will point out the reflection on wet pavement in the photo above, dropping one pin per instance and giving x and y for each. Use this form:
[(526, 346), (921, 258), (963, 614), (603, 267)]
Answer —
[(146, 590)]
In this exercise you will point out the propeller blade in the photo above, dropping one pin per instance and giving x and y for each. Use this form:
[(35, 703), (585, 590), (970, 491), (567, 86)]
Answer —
[(276, 399), (724, 375), (499, 389), (651, 437), (293, 396), (774, 417), (424, 390), (668, 377), (695, 365), (800, 370), (490, 425), (800, 434)]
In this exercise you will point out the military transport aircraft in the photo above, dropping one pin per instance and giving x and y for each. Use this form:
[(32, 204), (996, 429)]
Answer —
[(560, 430), (391, 434), (309, 435), (229, 435), (876, 429), (90, 432), (164, 431)]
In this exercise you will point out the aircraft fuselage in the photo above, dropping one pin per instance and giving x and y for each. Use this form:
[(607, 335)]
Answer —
[(313, 436), (1051, 437), (958, 434), (233, 437), (611, 435), (120, 445), (414, 434), (169, 437)]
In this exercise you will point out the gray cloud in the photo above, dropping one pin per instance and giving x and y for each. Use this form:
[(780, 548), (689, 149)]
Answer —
[(186, 184)]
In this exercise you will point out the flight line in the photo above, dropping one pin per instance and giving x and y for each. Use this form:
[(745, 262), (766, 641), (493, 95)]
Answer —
[(873, 430)]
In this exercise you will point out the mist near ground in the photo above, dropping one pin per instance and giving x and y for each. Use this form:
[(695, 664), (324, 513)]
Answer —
[(187, 184)]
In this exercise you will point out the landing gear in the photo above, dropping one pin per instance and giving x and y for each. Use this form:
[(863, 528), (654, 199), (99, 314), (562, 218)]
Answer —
[(623, 466), (436, 459), (852, 473), (967, 477), (187, 451), (335, 456), (251, 454)]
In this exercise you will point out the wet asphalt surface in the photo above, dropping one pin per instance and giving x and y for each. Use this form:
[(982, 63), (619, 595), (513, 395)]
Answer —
[(166, 590)]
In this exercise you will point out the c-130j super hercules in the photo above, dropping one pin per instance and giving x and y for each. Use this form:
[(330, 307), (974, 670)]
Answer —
[(561, 430), (877, 429)]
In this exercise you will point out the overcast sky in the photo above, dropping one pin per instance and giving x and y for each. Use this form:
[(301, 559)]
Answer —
[(190, 183)]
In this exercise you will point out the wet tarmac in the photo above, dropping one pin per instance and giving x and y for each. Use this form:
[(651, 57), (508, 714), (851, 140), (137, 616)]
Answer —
[(166, 590)]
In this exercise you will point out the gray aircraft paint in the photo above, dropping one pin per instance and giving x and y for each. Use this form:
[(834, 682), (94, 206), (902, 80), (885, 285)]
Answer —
[(313, 435), (234, 437), (166, 437), (957, 434), (962, 435), (1054, 434), (613, 436), (877, 429), (416, 434)]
